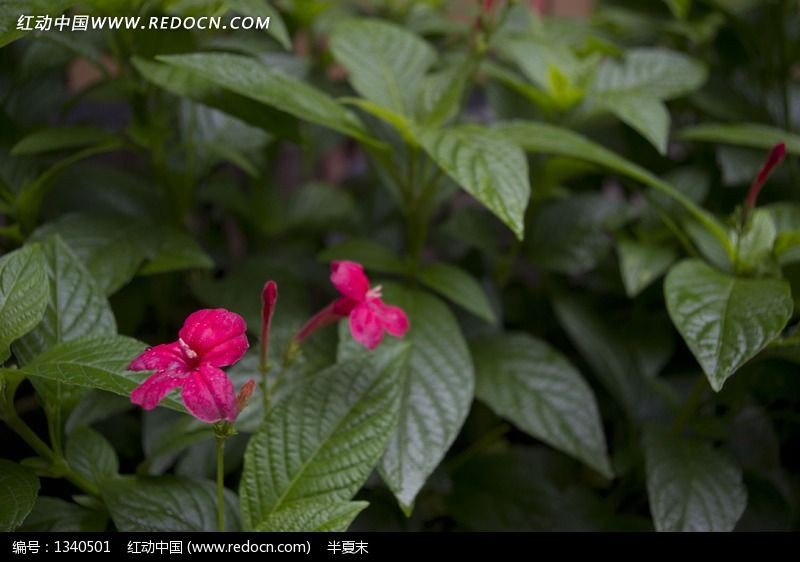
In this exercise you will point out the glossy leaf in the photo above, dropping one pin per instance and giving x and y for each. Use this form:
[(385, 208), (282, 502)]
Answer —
[(23, 294), (528, 382), (18, 489), (641, 263), (460, 287), (725, 320), (91, 455)]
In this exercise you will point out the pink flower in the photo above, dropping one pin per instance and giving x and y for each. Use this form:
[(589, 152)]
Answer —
[(209, 339), (269, 298), (369, 315)]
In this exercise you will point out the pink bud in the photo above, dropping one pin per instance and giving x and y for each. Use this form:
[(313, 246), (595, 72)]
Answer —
[(245, 394), (269, 297), (777, 154)]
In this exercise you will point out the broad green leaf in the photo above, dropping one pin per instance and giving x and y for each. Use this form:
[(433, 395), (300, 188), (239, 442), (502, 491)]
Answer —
[(49, 140), (650, 72), (568, 235), (537, 57), (487, 165), (176, 251), (647, 115), (386, 62), (23, 294), (77, 307), (437, 382), (528, 382), (91, 455), (725, 320), (755, 245), (253, 79), (641, 263), (550, 139), (56, 515), (440, 94), (691, 487), (370, 254), (460, 287), (165, 503), (111, 248), (94, 362), (318, 445), (19, 487), (186, 83), (742, 134)]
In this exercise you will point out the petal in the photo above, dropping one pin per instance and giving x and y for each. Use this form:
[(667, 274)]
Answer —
[(365, 325), (164, 357), (209, 395), (150, 392), (216, 335), (393, 318), (349, 279)]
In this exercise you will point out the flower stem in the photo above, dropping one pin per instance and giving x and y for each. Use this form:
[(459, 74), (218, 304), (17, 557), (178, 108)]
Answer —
[(221, 482)]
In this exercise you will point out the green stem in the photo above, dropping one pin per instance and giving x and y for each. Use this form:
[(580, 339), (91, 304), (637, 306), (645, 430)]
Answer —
[(221, 482), (690, 406)]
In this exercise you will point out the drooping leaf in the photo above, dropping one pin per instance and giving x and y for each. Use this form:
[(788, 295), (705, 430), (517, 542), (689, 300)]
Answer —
[(527, 381), (691, 487), (251, 78), (23, 294), (486, 165), (19, 487), (725, 320), (386, 62), (437, 382), (460, 287), (165, 503), (317, 446)]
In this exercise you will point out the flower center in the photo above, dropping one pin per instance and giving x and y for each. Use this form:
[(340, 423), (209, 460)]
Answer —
[(190, 353), (375, 292)]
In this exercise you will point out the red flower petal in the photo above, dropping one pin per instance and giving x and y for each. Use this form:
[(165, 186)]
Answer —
[(150, 392), (167, 356), (393, 318), (216, 335), (349, 278), (366, 326), (209, 395)]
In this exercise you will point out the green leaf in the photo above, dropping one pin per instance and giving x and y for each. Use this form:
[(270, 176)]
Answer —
[(176, 251), (370, 254), (650, 72), (691, 487), (528, 382), (94, 362), (23, 294), (386, 62), (641, 263), (648, 116), (18, 489), (725, 320), (437, 382), (251, 78), (487, 165), (77, 307), (317, 446), (441, 92), (321, 517), (460, 287), (550, 139), (538, 58), (140, 504), (568, 235), (111, 248), (188, 84), (57, 515), (91, 455), (48, 140), (752, 135), (679, 8)]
